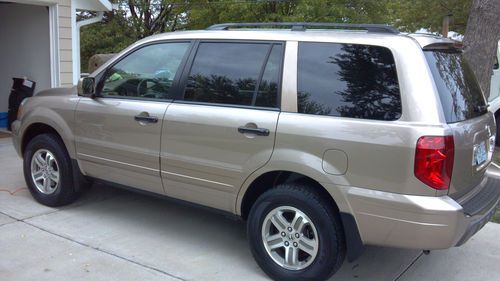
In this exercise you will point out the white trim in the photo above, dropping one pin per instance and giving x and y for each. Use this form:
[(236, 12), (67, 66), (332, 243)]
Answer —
[(55, 80), (76, 43), (93, 5)]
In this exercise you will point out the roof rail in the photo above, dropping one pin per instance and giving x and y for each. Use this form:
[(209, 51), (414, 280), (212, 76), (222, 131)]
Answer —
[(302, 26)]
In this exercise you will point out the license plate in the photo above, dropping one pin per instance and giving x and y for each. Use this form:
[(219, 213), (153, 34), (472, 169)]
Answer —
[(480, 154)]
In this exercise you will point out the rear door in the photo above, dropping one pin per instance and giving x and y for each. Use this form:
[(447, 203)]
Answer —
[(465, 110), (118, 132), (223, 127)]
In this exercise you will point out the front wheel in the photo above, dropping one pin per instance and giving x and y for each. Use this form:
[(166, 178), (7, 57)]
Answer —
[(296, 235), (48, 171)]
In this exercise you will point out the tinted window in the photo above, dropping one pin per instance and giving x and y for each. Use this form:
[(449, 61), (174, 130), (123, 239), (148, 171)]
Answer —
[(229, 73), (347, 80), (460, 94), (146, 73), (267, 95)]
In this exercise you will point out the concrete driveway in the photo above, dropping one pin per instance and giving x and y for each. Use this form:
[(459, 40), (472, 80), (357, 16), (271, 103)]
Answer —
[(112, 234)]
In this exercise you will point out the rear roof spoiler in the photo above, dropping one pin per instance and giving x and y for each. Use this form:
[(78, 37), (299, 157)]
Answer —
[(434, 42)]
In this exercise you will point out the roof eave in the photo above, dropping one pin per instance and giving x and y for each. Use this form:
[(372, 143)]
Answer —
[(94, 5)]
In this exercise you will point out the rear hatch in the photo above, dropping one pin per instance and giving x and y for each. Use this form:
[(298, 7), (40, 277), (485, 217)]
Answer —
[(466, 113)]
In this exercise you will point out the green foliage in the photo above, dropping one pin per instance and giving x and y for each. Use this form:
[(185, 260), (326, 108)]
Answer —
[(411, 15), (408, 15), (136, 19), (204, 12), (110, 36), (496, 217)]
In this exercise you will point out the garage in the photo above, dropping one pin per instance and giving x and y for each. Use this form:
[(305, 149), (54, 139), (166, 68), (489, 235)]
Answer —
[(25, 49), (40, 42)]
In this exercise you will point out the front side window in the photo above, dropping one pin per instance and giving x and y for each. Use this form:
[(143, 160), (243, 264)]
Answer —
[(347, 80), (235, 73), (146, 73)]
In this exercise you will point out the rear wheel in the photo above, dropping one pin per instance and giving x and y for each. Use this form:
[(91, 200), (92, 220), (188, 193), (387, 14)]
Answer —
[(296, 235), (48, 171)]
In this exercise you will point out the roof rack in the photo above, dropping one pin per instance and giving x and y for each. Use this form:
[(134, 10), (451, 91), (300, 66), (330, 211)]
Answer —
[(302, 26)]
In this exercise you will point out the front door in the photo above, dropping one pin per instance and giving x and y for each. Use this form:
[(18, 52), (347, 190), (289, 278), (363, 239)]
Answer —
[(224, 127), (118, 132)]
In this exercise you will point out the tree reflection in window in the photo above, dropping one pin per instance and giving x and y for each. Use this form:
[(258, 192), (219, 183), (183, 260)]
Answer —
[(347, 80), (229, 73), (460, 94)]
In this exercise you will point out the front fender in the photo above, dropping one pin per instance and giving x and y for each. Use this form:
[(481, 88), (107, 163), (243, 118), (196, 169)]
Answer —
[(54, 111)]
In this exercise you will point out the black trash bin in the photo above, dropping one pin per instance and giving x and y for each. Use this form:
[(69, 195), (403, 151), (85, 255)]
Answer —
[(21, 89)]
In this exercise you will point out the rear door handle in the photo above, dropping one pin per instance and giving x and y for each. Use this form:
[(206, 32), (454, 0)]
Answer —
[(256, 131), (146, 119)]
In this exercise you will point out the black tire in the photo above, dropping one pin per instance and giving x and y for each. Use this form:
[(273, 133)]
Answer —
[(331, 249), (65, 192), (497, 139)]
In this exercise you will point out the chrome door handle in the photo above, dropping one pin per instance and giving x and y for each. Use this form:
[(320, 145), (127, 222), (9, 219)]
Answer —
[(146, 119), (256, 131)]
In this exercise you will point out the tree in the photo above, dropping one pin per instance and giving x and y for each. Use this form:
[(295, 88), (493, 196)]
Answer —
[(206, 12), (412, 15), (136, 19), (149, 17), (109, 36), (481, 39)]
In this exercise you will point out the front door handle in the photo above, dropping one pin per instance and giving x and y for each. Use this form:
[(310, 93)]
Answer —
[(256, 131), (146, 119)]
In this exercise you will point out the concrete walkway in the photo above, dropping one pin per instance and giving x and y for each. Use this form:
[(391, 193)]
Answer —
[(111, 234)]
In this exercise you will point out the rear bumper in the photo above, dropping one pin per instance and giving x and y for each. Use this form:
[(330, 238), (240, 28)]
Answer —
[(420, 222)]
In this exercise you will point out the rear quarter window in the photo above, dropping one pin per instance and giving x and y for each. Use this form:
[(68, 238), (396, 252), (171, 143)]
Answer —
[(348, 80), (459, 92)]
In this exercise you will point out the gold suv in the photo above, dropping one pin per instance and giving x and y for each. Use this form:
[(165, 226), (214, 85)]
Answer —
[(323, 137)]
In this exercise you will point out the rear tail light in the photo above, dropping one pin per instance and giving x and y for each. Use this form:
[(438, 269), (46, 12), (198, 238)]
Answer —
[(434, 161)]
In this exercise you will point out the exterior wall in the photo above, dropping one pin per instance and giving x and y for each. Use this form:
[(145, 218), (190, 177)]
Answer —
[(62, 26), (25, 47), (65, 43), (64, 36)]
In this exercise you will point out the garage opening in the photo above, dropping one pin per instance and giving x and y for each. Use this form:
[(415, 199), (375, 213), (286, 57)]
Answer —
[(24, 49)]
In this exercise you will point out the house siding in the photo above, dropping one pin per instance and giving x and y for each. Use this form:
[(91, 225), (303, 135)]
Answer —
[(64, 39), (65, 44)]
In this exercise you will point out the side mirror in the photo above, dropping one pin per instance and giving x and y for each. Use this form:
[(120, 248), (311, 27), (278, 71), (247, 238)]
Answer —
[(86, 87)]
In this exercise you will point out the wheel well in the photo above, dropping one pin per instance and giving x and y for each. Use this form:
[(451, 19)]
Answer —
[(271, 179), (34, 130), (497, 113)]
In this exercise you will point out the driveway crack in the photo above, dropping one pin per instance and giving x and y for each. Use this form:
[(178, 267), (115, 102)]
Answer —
[(106, 252), (409, 266)]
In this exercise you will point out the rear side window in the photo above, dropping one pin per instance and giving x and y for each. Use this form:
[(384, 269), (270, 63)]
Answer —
[(459, 91), (235, 73), (347, 80)]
